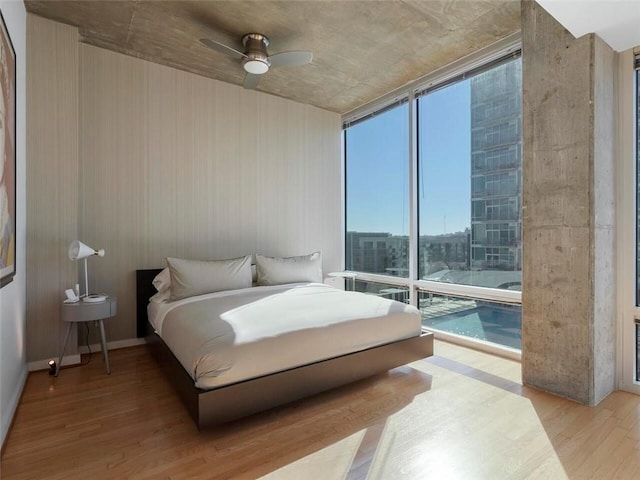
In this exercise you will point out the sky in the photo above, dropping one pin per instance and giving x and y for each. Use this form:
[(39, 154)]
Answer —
[(378, 167)]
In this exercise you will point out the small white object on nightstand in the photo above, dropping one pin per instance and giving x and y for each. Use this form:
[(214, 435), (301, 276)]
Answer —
[(88, 312)]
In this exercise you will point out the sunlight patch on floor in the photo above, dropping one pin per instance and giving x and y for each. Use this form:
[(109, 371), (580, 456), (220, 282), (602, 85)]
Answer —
[(443, 433), (332, 462)]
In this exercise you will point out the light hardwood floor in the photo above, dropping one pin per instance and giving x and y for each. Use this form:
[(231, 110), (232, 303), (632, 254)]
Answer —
[(460, 414)]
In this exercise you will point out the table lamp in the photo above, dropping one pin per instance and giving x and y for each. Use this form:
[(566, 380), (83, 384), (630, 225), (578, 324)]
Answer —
[(80, 251)]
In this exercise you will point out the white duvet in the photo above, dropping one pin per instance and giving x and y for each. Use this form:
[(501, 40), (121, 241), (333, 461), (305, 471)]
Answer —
[(226, 337)]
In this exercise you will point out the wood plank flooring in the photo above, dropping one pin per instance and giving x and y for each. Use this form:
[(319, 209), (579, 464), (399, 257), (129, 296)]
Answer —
[(460, 414)]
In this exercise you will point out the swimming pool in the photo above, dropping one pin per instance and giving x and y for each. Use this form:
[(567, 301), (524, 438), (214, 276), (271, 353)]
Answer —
[(491, 322)]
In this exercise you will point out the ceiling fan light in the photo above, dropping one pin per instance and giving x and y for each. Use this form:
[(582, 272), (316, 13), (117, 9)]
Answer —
[(256, 67)]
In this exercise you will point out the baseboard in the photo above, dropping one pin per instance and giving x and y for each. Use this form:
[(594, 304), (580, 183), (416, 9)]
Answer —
[(75, 359), (629, 387), (131, 342), (480, 345), (44, 364), (9, 415)]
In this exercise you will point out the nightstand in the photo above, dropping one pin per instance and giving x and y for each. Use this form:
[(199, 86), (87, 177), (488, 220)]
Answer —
[(88, 312)]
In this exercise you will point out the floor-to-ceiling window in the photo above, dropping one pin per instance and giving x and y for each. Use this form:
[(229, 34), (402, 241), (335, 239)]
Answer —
[(469, 197), (433, 195), (377, 193), (469, 164)]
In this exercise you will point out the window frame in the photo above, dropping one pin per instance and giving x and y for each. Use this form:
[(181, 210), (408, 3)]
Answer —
[(626, 223), (509, 47), (396, 102)]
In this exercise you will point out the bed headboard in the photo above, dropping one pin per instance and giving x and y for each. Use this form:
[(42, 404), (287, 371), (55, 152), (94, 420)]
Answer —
[(144, 291)]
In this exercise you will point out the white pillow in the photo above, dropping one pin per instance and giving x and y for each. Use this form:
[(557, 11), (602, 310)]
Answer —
[(163, 296), (162, 281), (278, 271), (194, 277)]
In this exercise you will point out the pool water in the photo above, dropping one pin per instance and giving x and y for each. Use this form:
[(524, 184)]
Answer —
[(496, 324)]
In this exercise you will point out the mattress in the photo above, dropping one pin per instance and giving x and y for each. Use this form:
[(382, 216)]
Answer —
[(227, 337)]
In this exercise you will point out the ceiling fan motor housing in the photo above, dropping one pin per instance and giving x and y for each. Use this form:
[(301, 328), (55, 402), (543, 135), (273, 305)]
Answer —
[(257, 59)]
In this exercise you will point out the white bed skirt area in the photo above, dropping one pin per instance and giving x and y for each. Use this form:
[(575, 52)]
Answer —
[(226, 337)]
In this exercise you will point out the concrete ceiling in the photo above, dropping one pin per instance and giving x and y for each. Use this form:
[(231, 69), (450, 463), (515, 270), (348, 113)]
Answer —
[(361, 49)]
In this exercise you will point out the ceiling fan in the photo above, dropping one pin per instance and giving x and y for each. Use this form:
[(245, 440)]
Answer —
[(255, 59)]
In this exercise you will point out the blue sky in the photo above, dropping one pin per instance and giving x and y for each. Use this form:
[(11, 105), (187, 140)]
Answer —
[(378, 172)]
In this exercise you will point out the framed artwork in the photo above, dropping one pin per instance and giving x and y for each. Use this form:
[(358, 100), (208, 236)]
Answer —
[(8, 160)]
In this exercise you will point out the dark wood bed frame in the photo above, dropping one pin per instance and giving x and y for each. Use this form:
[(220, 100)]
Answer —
[(229, 402)]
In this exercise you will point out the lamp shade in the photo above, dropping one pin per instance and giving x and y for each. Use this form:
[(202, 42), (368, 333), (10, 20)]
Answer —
[(78, 251)]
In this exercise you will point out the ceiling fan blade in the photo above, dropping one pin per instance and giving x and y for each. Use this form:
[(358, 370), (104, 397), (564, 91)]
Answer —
[(290, 59), (232, 52), (251, 81)]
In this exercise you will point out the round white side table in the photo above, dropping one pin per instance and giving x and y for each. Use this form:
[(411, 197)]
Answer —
[(88, 312)]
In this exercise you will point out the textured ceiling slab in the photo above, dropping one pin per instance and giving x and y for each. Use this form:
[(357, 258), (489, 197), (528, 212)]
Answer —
[(361, 49)]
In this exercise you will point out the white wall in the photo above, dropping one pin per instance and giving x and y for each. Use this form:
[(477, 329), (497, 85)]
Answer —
[(13, 367)]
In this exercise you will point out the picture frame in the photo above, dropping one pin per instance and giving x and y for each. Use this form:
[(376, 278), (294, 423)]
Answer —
[(8, 160)]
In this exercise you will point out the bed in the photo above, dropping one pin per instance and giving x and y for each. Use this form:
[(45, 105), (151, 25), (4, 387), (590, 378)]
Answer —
[(280, 364)]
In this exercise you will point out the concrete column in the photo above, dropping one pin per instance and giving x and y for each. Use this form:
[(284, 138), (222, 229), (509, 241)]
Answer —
[(568, 328)]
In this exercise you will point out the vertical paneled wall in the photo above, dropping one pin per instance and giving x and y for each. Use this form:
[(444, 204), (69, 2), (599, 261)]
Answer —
[(52, 180), (173, 164)]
